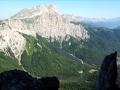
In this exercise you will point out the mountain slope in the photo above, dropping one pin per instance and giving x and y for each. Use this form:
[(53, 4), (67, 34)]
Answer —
[(102, 42), (42, 58)]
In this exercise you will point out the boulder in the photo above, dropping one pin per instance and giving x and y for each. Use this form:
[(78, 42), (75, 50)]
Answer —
[(20, 80)]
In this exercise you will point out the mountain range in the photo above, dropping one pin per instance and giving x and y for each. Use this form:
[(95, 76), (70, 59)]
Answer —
[(95, 22), (44, 43)]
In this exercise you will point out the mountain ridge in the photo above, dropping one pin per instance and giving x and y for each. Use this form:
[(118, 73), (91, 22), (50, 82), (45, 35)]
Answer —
[(95, 22)]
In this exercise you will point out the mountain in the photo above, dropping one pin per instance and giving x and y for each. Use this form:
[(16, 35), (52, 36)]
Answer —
[(33, 41), (45, 21), (95, 22), (42, 42), (108, 23)]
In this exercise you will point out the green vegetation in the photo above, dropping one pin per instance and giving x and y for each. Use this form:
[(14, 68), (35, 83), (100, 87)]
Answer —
[(72, 64), (102, 42), (47, 60), (8, 63)]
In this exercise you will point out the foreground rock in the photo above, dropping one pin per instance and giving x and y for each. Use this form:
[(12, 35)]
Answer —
[(108, 74), (20, 80)]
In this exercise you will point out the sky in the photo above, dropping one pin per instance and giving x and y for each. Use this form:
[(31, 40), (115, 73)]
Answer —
[(84, 8)]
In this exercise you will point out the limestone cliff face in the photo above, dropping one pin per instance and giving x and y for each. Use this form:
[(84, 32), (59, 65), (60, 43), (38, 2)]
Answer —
[(13, 41), (43, 20)]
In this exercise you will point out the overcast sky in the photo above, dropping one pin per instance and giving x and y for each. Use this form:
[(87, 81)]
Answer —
[(85, 8)]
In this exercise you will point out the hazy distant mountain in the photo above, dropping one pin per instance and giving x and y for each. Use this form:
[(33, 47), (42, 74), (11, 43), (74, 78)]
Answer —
[(96, 22), (108, 23)]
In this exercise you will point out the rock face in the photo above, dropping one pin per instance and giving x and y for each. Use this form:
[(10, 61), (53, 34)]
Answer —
[(12, 42), (20, 80), (108, 74), (44, 20)]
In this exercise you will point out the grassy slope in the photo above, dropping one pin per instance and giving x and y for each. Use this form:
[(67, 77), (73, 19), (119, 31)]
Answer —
[(102, 42), (8, 63), (50, 60)]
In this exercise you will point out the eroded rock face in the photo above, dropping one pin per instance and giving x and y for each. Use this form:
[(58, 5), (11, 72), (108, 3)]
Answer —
[(12, 42), (20, 80), (107, 77)]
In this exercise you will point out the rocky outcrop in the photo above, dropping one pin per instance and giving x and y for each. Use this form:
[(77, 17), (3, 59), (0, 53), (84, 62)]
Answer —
[(20, 80), (107, 77)]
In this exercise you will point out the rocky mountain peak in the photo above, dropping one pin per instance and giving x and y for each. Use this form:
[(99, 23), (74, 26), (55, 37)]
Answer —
[(36, 10), (44, 21)]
